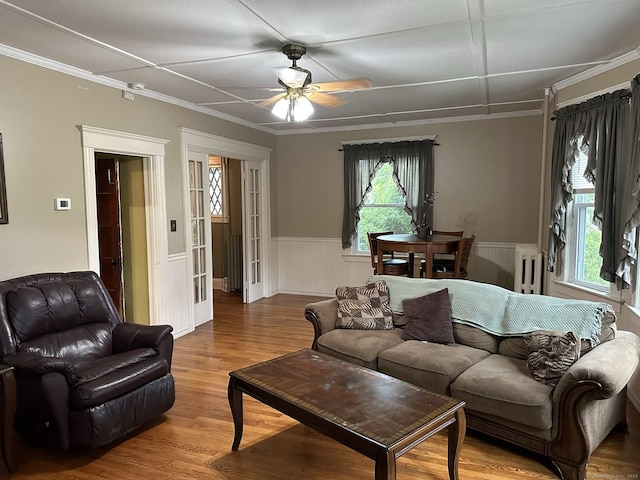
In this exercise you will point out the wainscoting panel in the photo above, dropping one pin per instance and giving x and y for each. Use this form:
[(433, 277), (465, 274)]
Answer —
[(316, 266), (178, 298)]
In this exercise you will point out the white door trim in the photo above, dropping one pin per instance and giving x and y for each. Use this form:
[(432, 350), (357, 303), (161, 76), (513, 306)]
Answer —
[(193, 140), (152, 150)]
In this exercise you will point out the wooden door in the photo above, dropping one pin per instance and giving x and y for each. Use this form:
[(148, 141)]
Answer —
[(109, 232)]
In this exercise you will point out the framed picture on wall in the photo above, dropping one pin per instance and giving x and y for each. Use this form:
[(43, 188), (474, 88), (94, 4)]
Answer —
[(4, 215)]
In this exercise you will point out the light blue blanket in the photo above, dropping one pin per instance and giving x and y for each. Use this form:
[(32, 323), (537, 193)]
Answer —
[(500, 311)]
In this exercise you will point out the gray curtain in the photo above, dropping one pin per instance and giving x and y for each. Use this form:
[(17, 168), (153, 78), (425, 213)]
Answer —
[(412, 171), (601, 120), (627, 253)]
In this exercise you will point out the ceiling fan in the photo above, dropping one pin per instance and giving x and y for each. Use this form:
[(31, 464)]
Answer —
[(294, 103)]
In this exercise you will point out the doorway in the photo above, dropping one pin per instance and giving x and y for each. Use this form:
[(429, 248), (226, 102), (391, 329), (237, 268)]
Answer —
[(256, 221), (225, 207), (122, 236)]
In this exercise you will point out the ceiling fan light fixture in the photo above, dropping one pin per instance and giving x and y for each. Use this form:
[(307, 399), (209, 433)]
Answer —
[(281, 108), (302, 109), (293, 107)]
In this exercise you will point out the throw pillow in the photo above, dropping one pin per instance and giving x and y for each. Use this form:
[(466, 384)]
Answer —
[(429, 318), (550, 354), (364, 308)]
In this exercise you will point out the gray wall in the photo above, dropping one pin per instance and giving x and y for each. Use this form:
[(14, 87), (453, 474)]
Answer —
[(41, 110), (487, 175)]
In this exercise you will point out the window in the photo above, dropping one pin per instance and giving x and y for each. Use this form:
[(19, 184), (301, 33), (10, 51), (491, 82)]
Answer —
[(586, 237), (383, 209), (217, 204)]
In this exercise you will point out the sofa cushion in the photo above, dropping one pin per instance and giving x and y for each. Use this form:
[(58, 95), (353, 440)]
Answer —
[(429, 318), (502, 386), (430, 365), (365, 307), (358, 346), (550, 354), (476, 338)]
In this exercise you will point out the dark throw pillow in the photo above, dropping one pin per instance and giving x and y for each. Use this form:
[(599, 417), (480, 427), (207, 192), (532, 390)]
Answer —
[(364, 308), (550, 354), (429, 318)]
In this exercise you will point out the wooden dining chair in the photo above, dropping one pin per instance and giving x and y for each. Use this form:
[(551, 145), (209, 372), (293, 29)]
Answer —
[(391, 265), (458, 268), (442, 258)]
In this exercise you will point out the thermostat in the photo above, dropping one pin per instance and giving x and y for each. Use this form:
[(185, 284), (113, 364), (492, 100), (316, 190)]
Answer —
[(62, 204)]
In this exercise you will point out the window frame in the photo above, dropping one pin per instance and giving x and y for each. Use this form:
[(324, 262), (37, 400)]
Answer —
[(578, 222), (218, 162), (355, 248)]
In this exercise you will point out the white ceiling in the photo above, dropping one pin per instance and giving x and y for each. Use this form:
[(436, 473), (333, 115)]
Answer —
[(426, 59)]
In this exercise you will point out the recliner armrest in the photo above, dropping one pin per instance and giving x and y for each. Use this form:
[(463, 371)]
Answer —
[(129, 336), (33, 365)]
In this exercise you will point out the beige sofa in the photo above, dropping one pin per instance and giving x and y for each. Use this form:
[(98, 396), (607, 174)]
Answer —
[(489, 372)]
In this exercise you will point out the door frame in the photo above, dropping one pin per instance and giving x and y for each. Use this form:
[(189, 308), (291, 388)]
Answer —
[(201, 142), (151, 150)]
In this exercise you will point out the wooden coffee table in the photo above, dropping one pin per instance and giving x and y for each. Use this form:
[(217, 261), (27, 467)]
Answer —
[(375, 414)]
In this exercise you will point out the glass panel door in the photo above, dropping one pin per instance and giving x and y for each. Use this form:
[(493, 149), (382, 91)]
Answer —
[(200, 239)]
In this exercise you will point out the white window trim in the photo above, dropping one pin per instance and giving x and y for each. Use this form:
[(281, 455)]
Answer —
[(571, 254)]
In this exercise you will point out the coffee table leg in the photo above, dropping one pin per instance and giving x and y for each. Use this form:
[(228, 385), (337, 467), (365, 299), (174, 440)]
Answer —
[(385, 466), (456, 433), (235, 402)]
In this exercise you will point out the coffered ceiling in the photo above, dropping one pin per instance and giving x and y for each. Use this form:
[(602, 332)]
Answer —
[(425, 59)]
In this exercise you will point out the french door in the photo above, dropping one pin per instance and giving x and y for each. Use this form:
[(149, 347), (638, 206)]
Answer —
[(254, 270), (202, 289)]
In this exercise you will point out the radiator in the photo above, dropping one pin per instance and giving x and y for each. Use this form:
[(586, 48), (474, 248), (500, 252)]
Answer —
[(528, 269), (234, 262)]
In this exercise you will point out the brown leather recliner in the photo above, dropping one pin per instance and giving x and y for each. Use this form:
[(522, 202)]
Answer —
[(81, 372)]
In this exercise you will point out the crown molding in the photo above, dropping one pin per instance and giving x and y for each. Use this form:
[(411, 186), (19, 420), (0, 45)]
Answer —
[(592, 72), (89, 76)]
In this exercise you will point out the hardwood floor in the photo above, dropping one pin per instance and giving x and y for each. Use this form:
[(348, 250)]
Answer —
[(193, 440)]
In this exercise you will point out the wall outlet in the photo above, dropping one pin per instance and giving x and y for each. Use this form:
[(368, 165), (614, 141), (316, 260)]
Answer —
[(128, 95)]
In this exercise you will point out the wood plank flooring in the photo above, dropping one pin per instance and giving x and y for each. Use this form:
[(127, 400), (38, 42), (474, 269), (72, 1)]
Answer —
[(193, 440)]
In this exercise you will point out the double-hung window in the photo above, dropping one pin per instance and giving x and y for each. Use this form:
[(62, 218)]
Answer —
[(585, 237), (383, 208)]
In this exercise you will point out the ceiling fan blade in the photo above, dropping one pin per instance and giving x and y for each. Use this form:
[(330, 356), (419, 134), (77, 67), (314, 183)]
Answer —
[(324, 99), (345, 85), (293, 77), (270, 102)]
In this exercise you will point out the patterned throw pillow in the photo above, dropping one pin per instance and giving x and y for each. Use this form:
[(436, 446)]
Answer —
[(364, 308), (550, 354)]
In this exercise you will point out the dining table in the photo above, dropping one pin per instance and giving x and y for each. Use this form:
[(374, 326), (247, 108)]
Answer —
[(412, 244)]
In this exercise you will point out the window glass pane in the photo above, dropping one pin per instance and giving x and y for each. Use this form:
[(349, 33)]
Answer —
[(384, 208), (384, 188), (381, 219), (588, 239)]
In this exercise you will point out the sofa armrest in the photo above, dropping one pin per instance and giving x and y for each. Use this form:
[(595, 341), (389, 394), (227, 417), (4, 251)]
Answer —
[(610, 365), (323, 316), (129, 336), (590, 400)]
